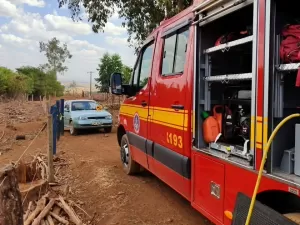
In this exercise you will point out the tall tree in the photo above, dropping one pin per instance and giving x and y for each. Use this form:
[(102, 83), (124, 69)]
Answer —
[(56, 55), (108, 65), (126, 71), (141, 17)]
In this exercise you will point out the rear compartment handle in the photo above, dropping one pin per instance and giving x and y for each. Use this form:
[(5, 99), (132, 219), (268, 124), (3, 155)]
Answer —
[(144, 103), (177, 107)]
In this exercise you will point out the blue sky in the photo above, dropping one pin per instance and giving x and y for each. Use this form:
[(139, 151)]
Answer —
[(23, 23)]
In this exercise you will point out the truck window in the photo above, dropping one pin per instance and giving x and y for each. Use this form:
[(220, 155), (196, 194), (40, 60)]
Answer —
[(142, 70), (174, 52)]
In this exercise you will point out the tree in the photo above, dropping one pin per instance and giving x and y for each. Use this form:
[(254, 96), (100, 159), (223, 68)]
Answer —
[(56, 55), (126, 71), (141, 17), (108, 65), (44, 83), (13, 84)]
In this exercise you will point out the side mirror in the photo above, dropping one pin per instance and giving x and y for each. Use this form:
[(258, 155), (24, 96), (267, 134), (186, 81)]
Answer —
[(116, 83)]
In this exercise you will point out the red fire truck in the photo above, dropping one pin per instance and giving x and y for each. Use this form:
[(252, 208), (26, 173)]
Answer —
[(207, 91)]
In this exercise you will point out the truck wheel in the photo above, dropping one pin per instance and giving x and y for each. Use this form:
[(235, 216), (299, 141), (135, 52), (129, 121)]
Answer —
[(107, 129), (130, 167), (295, 217), (73, 131)]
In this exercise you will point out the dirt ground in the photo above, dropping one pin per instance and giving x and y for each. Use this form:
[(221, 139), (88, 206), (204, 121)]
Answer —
[(94, 173)]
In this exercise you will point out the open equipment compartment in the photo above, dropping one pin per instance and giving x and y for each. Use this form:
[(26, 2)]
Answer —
[(224, 83), (285, 98)]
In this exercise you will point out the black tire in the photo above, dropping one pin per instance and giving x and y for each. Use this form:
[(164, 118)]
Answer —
[(73, 131), (130, 167), (107, 129)]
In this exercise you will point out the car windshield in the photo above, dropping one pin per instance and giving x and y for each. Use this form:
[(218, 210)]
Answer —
[(83, 105)]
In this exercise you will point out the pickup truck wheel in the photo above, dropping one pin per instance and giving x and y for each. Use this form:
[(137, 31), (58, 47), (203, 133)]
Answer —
[(107, 129), (130, 167), (73, 131)]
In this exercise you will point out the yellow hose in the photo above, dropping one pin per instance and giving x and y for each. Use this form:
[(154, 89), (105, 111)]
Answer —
[(262, 164)]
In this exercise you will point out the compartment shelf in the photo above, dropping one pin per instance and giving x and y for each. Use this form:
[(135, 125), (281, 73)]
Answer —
[(229, 77), (224, 47), (288, 67)]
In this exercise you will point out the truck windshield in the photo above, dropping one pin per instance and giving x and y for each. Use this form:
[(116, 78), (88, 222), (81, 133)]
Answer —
[(83, 105)]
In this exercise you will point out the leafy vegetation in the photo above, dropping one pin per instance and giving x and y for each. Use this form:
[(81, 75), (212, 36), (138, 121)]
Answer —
[(56, 55), (141, 17), (108, 65)]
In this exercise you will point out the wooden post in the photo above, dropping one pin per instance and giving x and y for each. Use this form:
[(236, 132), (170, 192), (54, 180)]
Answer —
[(32, 97), (11, 210), (50, 149)]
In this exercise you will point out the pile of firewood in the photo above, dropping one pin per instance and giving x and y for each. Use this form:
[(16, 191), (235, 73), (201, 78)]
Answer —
[(51, 211)]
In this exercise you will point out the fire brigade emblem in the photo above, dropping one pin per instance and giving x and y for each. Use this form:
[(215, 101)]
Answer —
[(136, 123)]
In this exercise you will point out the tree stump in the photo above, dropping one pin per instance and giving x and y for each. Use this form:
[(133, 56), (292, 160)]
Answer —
[(11, 210)]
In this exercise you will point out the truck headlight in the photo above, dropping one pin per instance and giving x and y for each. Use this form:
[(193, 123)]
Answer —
[(83, 118), (108, 117)]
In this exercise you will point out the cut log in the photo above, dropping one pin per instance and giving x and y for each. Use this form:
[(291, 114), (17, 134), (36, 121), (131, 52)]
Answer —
[(50, 220), (73, 217), (11, 210), (39, 207), (58, 218), (44, 212), (28, 211)]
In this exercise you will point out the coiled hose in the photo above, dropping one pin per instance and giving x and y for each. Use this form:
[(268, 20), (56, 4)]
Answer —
[(263, 161)]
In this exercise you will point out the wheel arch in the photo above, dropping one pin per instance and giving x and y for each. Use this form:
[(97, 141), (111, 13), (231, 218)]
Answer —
[(120, 132), (281, 201)]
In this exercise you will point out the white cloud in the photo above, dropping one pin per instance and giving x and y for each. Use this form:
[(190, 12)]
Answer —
[(116, 41), (19, 39), (7, 9), (112, 29), (16, 41), (36, 3), (65, 24)]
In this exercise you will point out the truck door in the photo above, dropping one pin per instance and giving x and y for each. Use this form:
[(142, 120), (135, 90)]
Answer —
[(138, 105), (168, 108)]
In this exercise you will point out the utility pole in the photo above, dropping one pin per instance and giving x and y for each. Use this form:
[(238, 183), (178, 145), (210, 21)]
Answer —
[(90, 83)]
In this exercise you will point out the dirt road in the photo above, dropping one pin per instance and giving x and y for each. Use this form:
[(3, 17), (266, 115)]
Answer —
[(94, 173), (98, 181)]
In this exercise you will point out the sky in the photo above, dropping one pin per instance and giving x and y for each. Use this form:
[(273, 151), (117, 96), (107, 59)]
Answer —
[(24, 23)]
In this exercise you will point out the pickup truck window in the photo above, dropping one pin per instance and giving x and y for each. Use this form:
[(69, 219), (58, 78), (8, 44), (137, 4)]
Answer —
[(175, 47)]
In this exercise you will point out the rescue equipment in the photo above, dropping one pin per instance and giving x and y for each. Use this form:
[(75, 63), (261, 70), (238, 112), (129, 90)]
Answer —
[(290, 46), (232, 36), (211, 126)]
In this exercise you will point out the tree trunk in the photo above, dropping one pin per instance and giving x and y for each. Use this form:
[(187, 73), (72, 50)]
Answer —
[(11, 210)]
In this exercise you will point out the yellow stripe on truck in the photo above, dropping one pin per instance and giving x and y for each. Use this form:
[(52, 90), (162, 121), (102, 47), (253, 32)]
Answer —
[(163, 116)]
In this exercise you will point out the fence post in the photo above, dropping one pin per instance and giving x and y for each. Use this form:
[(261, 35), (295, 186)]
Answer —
[(57, 124), (50, 149), (62, 121)]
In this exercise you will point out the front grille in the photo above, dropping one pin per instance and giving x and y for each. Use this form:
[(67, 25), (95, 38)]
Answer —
[(96, 117)]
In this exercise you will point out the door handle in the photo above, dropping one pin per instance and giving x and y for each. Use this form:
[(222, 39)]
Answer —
[(177, 107), (144, 103)]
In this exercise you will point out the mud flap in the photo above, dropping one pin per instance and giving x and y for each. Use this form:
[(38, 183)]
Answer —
[(262, 214)]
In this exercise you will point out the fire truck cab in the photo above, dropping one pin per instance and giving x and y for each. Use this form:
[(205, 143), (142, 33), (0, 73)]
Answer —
[(216, 67)]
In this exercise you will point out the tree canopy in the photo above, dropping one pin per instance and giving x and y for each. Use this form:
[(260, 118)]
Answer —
[(108, 65), (141, 17), (56, 55)]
